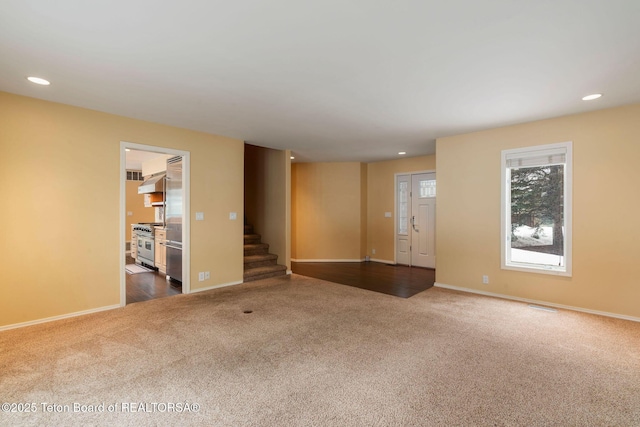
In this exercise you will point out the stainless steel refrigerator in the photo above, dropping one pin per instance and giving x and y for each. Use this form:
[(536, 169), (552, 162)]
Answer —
[(173, 218)]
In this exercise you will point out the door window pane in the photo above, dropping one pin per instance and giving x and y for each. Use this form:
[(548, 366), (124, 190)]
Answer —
[(427, 188), (403, 206)]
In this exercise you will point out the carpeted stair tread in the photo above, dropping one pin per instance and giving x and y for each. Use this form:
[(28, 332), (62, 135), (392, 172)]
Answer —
[(255, 249), (264, 272), (254, 258), (256, 245), (252, 238), (262, 260)]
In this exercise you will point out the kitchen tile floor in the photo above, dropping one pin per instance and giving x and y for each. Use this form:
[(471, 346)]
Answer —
[(148, 286)]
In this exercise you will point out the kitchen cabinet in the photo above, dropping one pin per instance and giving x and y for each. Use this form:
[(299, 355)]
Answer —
[(153, 199), (134, 243), (160, 249)]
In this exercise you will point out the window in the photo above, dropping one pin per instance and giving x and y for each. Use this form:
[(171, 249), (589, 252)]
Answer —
[(536, 209), (134, 176), (403, 205)]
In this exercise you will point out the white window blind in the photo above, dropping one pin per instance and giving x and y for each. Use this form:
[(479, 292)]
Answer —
[(534, 158)]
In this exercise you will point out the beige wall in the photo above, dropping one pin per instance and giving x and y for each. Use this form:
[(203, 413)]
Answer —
[(364, 197), (381, 199), (605, 208), (267, 193), (327, 201), (325, 195), (60, 250), (135, 204)]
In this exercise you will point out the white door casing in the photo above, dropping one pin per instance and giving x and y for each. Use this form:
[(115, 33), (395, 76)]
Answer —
[(186, 247)]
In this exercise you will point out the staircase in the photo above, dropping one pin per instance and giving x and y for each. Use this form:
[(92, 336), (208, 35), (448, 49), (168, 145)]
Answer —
[(258, 262)]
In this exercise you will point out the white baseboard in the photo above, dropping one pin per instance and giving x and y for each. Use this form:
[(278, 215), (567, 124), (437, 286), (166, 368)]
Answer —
[(54, 318), (327, 260), (222, 285), (537, 302)]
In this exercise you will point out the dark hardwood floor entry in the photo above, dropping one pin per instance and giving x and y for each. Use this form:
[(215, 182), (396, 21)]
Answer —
[(148, 286), (397, 280)]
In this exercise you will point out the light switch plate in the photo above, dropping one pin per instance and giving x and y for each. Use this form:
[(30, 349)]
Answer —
[(199, 216), (233, 215), (387, 214)]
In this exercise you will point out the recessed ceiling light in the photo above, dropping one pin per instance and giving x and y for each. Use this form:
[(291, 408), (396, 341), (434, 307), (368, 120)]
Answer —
[(292, 157), (402, 153), (38, 81), (592, 96), (127, 149)]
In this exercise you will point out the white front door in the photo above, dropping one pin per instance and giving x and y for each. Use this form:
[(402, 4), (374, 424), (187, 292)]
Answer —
[(415, 213), (423, 220)]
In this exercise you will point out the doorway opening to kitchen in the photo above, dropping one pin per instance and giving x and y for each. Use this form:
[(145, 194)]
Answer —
[(154, 194)]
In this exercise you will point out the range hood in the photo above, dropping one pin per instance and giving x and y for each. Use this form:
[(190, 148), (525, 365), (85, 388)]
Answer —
[(153, 184)]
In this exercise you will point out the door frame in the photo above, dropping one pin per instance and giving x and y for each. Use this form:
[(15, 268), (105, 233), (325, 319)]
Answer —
[(186, 225), (395, 208)]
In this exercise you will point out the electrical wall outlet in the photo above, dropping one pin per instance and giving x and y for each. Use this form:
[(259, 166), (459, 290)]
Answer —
[(201, 276), (485, 280), (373, 251), (207, 275)]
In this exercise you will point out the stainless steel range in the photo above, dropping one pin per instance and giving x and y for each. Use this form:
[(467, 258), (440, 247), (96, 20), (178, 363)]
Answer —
[(146, 243)]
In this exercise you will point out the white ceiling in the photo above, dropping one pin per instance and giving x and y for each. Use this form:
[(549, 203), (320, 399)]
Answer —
[(135, 158), (355, 80)]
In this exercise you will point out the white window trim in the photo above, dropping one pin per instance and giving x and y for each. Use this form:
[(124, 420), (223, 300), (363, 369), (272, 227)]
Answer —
[(505, 220)]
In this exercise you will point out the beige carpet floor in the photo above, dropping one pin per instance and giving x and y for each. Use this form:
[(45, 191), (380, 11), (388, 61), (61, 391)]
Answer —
[(313, 353)]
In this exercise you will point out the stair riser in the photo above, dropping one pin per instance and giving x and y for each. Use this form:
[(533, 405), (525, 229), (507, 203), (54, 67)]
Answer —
[(257, 264), (256, 251), (251, 240), (259, 271)]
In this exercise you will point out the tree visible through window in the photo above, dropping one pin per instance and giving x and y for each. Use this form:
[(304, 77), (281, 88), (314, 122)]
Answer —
[(536, 208)]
